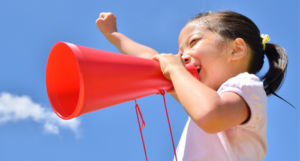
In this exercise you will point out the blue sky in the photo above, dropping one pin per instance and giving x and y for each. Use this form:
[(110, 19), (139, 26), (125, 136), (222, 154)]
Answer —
[(30, 131)]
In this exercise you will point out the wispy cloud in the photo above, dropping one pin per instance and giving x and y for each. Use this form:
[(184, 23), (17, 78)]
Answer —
[(18, 108)]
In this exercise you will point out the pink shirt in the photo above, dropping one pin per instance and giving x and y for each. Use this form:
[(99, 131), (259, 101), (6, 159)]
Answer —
[(245, 142)]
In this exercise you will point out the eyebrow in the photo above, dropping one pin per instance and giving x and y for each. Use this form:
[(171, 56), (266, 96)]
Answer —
[(198, 32)]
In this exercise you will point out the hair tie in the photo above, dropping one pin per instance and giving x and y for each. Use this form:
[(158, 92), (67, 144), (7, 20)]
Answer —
[(266, 39)]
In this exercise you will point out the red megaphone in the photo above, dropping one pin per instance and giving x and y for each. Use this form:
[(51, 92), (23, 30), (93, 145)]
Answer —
[(81, 79)]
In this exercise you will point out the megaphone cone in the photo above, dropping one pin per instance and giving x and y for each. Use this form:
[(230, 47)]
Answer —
[(81, 79)]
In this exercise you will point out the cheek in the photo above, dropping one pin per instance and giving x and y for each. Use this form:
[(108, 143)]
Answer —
[(207, 51), (212, 67)]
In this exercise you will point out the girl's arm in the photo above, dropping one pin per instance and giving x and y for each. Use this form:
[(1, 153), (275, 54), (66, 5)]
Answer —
[(209, 110), (106, 23)]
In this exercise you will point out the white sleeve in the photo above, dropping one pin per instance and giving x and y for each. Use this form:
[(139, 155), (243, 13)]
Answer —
[(251, 89)]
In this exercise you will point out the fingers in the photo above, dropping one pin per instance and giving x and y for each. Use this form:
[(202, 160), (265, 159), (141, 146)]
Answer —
[(106, 16), (102, 15), (168, 62), (156, 57), (159, 57), (171, 91), (167, 57)]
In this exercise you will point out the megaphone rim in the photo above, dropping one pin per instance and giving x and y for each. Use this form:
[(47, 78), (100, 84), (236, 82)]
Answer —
[(81, 98)]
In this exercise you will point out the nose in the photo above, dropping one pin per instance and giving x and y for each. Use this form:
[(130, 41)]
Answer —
[(187, 58)]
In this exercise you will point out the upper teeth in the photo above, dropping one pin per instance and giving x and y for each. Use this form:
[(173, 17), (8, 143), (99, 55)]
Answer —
[(198, 67)]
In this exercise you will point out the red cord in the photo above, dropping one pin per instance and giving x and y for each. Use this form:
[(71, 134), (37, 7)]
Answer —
[(163, 94), (138, 111)]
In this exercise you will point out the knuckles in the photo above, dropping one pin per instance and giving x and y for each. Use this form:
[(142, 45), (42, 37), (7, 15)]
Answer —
[(106, 18), (107, 15)]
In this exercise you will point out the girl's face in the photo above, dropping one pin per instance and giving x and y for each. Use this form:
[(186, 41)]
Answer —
[(198, 46)]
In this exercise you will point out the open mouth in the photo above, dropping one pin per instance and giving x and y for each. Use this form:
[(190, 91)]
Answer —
[(198, 68)]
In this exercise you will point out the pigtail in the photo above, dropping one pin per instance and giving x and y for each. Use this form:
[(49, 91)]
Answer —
[(278, 62)]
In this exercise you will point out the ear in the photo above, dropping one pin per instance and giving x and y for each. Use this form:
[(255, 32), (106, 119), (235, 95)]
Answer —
[(240, 49)]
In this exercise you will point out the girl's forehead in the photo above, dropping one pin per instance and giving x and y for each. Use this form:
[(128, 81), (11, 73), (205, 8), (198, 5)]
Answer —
[(198, 23), (190, 29)]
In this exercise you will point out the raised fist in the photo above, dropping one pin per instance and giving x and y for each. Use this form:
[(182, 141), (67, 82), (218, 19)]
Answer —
[(106, 23)]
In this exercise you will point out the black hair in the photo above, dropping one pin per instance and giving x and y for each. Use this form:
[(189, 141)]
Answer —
[(230, 26)]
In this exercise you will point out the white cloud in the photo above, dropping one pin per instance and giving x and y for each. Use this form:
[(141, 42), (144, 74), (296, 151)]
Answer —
[(18, 108)]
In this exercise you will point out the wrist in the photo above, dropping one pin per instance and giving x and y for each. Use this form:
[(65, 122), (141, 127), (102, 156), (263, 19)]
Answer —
[(112, 37), (176, 71)]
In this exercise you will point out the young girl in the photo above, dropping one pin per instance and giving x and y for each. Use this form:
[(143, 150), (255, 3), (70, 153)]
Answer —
[(227, 107)]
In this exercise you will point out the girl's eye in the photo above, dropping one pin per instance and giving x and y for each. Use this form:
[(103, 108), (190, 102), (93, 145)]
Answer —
[(193, 42)]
